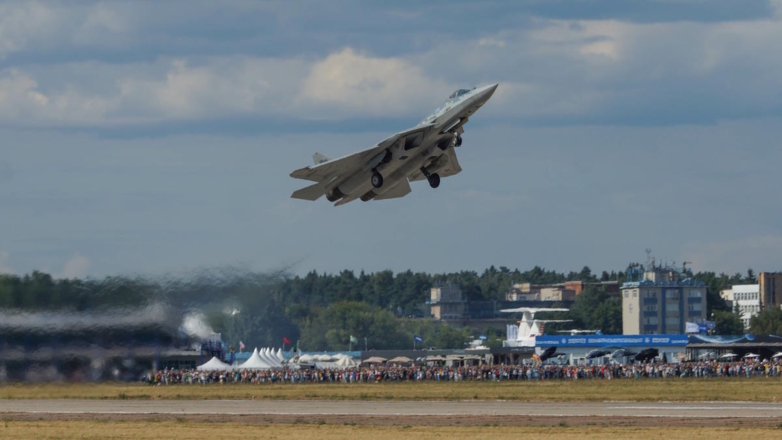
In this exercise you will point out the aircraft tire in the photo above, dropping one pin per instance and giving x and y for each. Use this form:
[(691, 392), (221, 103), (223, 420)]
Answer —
[(377, 179), (458, 141), (434, 180)]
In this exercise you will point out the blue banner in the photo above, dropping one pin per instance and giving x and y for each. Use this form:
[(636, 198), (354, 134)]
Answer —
[(418, 339), (483, 337), (612, 340)]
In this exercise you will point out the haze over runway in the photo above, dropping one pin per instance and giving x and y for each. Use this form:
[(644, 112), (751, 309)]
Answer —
[(703, 410)]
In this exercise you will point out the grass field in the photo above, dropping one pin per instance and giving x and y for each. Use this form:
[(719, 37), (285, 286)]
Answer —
[(239, 431), (689, 390)]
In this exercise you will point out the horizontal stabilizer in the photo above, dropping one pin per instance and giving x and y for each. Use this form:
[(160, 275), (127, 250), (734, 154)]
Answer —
[(312, 192)]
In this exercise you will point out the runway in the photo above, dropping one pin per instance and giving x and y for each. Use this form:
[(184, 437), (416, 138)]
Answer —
[(665, 410)]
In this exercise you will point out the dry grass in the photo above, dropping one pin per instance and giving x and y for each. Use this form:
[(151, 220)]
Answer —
[(689, 390), (198, 431)]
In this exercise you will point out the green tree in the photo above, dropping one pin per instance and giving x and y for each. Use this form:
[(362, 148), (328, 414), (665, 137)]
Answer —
[(767, 322), (728, 323), (595, 309)]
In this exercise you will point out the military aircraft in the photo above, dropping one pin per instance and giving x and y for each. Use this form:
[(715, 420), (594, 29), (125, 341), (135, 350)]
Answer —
[(426, 151), (529, 327)]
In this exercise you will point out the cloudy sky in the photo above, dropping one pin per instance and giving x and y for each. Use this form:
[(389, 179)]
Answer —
[(152, 137)]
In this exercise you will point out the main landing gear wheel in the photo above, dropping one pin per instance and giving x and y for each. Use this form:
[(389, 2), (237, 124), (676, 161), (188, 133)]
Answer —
[(377, 179), (434, 180), (458, 141)]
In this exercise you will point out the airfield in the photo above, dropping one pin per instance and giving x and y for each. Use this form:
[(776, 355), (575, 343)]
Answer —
[(392, 410)]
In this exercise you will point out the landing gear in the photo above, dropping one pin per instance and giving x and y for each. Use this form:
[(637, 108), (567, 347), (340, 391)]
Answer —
[(377, 179), (434, 180), (458, 141)]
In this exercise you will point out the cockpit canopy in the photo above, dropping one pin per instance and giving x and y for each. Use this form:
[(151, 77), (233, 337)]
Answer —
[(458, 93), (455, 96)]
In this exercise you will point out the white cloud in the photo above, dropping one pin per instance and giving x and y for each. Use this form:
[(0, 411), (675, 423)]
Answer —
[(22, 23), (216, 88), (343, 84), (4, 265), (358, 84), (491, 42), (557, 70), (76, 267), (22, 101)]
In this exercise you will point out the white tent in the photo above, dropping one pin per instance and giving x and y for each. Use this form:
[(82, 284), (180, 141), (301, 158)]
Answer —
[(264, 354), (751, 355), (214, 364), (347, 362), (306, 358), (255, 362), (728, 356), (776, 355), (273, 357), (280, 356)]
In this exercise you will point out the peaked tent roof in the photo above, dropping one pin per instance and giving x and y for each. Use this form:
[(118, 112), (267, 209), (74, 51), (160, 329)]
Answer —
[(254, 363), (214, 364)]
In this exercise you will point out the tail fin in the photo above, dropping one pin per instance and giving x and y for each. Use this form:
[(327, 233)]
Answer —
[(319, 158)]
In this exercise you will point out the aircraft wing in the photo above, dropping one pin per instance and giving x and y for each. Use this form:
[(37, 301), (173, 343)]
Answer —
[(352, 163), (400, 190)]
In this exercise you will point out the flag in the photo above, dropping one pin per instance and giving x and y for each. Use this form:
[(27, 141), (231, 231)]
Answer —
[(483, 337), (285, 340), (241, 345), (353, 339), (418, 339)]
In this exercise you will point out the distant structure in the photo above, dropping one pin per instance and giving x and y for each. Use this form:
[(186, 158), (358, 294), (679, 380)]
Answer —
[(770, 289), (447, 302), (746, 301), (556, 292), (660, 299)]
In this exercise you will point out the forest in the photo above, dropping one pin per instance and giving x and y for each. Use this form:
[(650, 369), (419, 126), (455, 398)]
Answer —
[(320, 311)]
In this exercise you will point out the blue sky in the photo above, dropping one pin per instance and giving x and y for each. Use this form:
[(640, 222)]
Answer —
[(146, 138)]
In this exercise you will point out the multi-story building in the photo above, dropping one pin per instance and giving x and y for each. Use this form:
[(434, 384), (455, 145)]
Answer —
[(524, 292), (746, 301), (447, 302), (661, 300), (557, 294), (770, 286), (566, 291), (727, 295)]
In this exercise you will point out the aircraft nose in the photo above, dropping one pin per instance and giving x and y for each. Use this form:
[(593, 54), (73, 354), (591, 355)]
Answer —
[(487, 91)]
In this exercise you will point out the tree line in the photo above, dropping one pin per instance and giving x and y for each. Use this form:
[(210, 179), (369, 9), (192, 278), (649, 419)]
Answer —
[(321, 311)]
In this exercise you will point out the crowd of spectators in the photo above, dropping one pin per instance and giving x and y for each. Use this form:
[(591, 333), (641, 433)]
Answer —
[(397, 373)]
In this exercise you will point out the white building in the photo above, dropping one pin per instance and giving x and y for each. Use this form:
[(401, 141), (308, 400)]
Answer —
[(746, 301)]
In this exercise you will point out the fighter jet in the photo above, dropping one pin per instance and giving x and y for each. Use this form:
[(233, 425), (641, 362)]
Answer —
[(426, 151)]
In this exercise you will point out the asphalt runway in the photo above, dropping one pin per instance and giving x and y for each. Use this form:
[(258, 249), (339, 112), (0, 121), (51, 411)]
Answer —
[(672, 410)]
